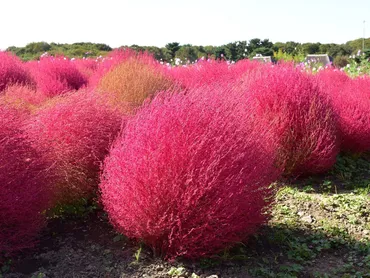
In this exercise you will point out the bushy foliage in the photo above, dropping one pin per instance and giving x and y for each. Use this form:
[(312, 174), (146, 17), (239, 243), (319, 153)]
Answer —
[(12, 71), (56, 75), (133, 80), (212, 73), (87, 66), (341, 61), (297, 57), (74, 133), (108, 63), (24, 94), (304, 122), (358, 64), (202, 73), (190, 174), (24, 190), (351, 102), (34, 50)]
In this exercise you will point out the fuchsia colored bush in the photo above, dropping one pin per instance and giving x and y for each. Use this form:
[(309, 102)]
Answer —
[(24, 189), (212, 73), (304, 122), (56, 75), (190, 174), (203, 73), (87, 66), (74, 133), (351, 101), (12, 71)]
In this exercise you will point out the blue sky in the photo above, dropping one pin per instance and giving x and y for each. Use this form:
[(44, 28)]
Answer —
[(197, 22)]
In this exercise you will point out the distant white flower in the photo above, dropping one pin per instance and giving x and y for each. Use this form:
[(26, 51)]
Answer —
[(177, 61)]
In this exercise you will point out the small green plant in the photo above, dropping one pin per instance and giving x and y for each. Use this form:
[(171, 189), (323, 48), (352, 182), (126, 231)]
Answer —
[(79, 208), (176, 271), (39, 275), (138, 253)]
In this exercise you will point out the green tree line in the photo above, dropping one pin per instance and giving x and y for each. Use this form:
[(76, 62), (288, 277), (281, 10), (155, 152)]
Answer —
[(173, 51)]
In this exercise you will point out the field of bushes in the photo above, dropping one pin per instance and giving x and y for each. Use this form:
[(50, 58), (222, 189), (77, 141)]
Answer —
[(134, 168)]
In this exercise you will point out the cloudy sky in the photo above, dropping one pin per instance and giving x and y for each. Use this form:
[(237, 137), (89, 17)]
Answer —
[(197, 22)]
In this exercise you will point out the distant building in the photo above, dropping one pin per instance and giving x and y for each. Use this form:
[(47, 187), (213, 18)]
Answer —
[(259, 57), (323, 59)]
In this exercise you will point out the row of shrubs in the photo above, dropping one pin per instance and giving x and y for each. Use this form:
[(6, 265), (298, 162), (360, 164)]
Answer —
[(183, 159)]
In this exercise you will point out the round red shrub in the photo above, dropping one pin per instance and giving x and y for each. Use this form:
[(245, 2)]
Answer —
[(351, 102), (190, 174), (134, 80), (24, 189), (56, 75), (302, 117), (74, 133), (12, 71)]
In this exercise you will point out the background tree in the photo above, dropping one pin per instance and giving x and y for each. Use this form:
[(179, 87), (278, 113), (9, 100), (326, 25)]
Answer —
[(311, 48), (187, 53), (172, 48), (232, 51)]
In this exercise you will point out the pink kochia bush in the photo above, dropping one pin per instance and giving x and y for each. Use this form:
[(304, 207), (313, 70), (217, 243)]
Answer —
[(304, 122), (212, 73), (351, 101), (203, 73), (87, 66), (56, 75), (24, 190), (190, 174), (74, 133), (12, 71)]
